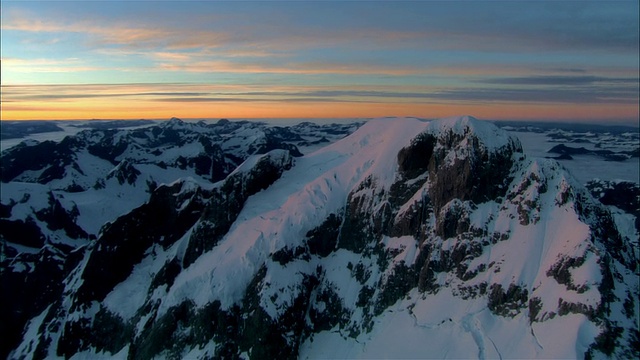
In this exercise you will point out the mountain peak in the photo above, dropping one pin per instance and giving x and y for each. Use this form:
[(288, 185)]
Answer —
[(175, 122), (407, 238), (491, 136)]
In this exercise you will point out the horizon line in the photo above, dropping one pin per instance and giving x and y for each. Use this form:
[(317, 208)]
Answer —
[(633, 123)]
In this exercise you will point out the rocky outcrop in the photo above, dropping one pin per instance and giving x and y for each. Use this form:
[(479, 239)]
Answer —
[(20, 129), (30, 283), (170, 212), (227, 201), (48, 157), (124, 172), (623, 195), (464, 167), (22, 232)]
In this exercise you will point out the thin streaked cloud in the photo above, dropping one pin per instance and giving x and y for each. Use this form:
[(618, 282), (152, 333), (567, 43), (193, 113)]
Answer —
[(287, 68), (189, 94), (121, 34), (48, 65), (557, 96), (557, 80), (320, 57)]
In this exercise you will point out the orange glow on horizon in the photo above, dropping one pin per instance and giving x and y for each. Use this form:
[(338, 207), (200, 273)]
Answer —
[(132, 109)]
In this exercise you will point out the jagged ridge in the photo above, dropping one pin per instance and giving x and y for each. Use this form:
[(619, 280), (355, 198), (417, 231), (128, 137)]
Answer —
[(406, 238)]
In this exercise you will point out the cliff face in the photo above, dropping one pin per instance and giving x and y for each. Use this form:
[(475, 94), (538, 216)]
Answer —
[(405, 239)]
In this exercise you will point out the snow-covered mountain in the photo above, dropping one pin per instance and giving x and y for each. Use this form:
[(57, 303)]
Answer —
[(56, 195), (405, 239)]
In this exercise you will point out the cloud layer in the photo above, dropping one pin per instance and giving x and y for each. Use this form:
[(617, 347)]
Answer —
[(420, 55)]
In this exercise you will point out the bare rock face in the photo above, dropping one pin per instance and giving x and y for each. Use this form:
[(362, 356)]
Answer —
[(34, 281), (48, 157), (124, 172), (474, 172), (453, 219), (456, 163), (170, 212), (623, 195), (227, 201)]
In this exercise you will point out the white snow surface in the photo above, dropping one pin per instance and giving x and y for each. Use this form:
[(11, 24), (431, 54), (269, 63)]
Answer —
[(441, 326), (281, 215), (444, 324)]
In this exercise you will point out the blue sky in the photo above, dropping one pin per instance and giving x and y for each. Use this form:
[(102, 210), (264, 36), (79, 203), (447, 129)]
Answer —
[(494, 59)]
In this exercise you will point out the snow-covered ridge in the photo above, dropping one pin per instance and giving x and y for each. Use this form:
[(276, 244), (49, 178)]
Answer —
[(408, 238), (491, 137)]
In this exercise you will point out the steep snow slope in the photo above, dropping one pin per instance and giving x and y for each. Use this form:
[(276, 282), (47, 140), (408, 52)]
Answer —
[(56, 196), (406, 239)]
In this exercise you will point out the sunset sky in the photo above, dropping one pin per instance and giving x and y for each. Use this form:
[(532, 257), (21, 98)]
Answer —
[(533, 60)]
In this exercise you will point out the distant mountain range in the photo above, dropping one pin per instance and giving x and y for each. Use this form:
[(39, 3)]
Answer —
[(396, 238)]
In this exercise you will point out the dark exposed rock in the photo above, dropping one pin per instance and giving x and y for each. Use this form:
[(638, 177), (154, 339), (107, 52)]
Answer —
[(227, 202), (21, 232), (413, 221), (186, 325), (58, 218), (362, 226), (478, 177), (563, 149), (507, 303), (166, 275), (74, 188), (560, 272), (327, 311), (623, 195), (33, 282), (472, 292), (287, 255), (263, 337), (170, 212), (106, 332), (108, 148), (166, 335), (604, 230), (49, 156), (399, 282), (279, 138), (415, 159), (606, 341), (73, 340), (359, 272), (535, 305), (453, 219), (5, 210), (426, 278), (566, 307), (323, 239), (20, 129), (365, 296), (124, 172), (561, 157), (629, 306)]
